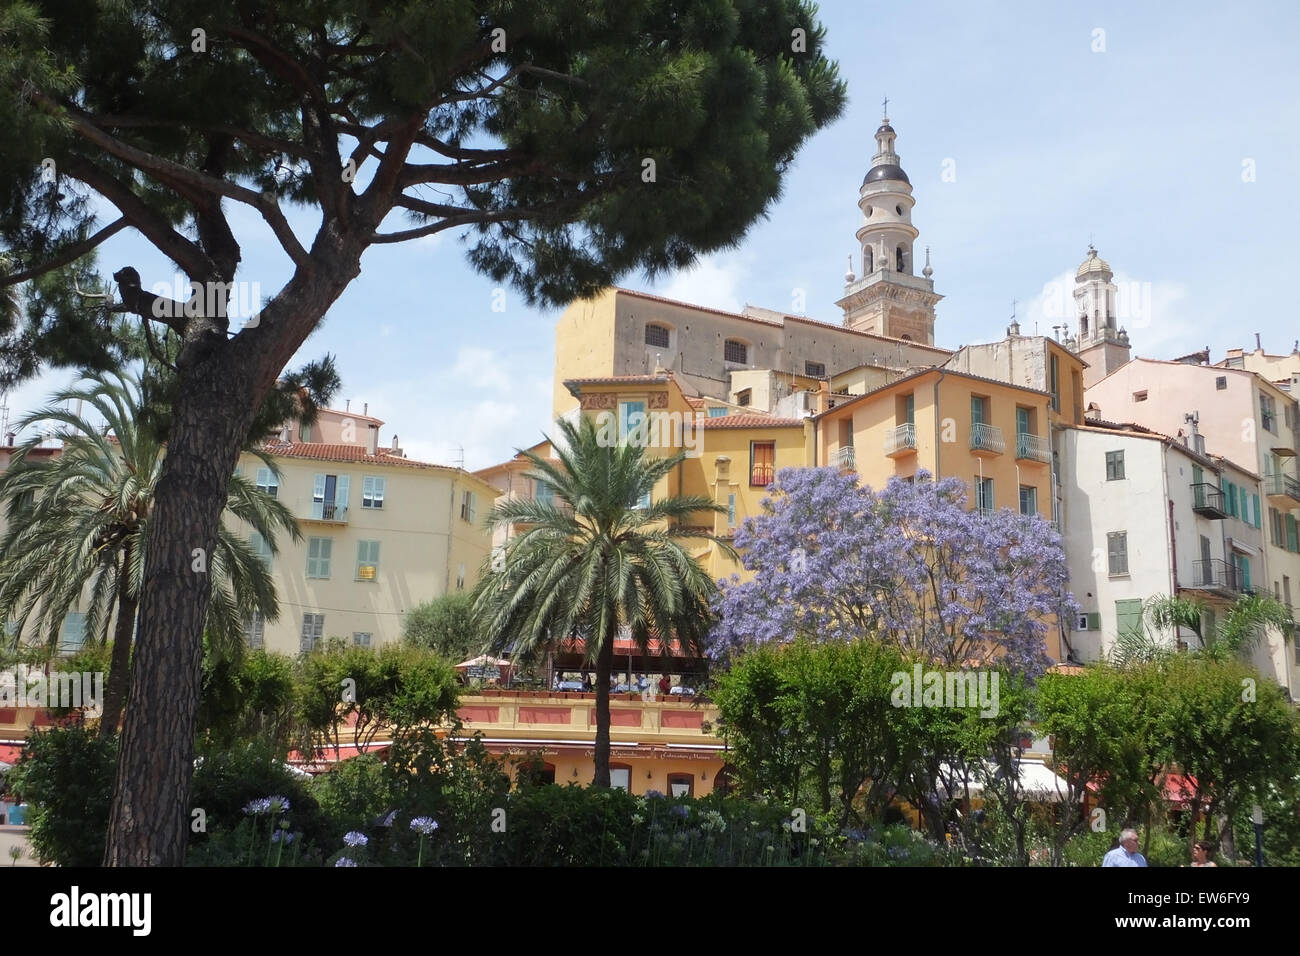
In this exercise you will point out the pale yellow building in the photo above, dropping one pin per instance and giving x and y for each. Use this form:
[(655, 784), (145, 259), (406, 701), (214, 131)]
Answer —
[(381, 533)]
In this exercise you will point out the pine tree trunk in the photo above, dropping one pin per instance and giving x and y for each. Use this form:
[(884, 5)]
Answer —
[(119, 670), (604, 667), (148, 825)]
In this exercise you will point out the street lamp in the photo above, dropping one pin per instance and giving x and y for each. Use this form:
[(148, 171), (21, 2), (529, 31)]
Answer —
[(1257, 818)]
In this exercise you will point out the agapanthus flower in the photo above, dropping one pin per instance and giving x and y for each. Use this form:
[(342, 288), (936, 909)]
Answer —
[(282, 836), (278, 804), (258, 807), (680, 810), (344, 861), (353, 838), (424, 825)]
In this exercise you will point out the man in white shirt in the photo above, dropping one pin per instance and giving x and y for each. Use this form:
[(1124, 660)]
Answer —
[(1126, 854)]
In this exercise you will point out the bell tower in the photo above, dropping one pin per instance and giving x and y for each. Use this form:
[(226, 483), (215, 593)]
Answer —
[(1100, 344), (890, 298)]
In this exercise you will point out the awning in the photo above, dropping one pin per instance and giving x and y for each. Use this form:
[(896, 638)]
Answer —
[(1037, 783)]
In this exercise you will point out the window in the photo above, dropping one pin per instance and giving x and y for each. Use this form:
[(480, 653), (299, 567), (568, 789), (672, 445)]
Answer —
[(979, 410), (1028, 500), (74, 633), (731, 511), (1024, 420), (255, 631), (1140, 396), (468, 507), (632, 421), (460, 576), (620, 776), (1291, 543), (908, 409), (372, 491), (681, 784), (984, 494), (1117, 553), (304, 432), (543, 492), (744, 396), (1114, 465), (313, 627), (1242, 564), (814, 369), (716, 412), (367, 560), (1128, 616), (1276, 530), (656, 335), (733, 350), (361, 638), (762, 458), (318, 557), (1221, 382), (267, 482), (260, 547), (1268, 413), (329, 497), (1054, 382), (898, 260)]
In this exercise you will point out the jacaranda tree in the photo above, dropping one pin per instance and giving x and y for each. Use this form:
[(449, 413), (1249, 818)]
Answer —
[(576, 140), (911, 566)]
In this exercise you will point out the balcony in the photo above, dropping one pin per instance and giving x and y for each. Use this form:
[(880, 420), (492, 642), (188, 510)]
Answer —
[(900, 441), (844, 458), (1282, 490), (986, 440), (1032, 448), (326, 512), (1217, 576), (1207, 500)]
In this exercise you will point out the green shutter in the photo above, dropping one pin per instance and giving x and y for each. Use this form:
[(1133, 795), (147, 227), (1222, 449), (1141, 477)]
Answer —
[(1257, 517), (976, 410), (1128, 616), (1291, 543), (1022, 421), (1094, 621)]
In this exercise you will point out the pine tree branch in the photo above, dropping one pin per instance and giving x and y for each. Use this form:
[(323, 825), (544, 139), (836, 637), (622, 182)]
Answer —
[(69, 253)]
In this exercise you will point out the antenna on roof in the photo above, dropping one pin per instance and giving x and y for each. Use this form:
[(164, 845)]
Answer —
[(460, 456)]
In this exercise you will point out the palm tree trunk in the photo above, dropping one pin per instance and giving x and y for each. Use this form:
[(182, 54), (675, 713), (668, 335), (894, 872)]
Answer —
[(604, 667), (119, 670), (148, 825)]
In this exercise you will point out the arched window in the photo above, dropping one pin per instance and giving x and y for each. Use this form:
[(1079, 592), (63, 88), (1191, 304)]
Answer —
[(656, 335), (898, 260), (868, 262), (1083, 326), (734, 350)]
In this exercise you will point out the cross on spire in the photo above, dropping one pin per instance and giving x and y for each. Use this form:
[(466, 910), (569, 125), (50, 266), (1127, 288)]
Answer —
[(885, 106)]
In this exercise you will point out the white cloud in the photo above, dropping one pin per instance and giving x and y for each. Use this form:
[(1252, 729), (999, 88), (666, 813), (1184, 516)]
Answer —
[(479, 409), (713, 282)]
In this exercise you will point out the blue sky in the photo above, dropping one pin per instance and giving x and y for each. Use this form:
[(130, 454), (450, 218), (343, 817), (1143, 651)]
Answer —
[(1140, 146)]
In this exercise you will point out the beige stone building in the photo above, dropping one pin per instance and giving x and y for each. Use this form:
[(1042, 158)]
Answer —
[(381, 533)]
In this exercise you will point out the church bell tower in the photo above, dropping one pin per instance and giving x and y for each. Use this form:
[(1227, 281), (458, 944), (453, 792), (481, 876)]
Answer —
[(889, 299)]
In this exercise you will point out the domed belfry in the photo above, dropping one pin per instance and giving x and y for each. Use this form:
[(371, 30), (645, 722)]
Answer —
[(889, 298)]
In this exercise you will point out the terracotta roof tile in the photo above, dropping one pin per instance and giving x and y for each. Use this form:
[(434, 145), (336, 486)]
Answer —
[(750, 421), (321, 451)]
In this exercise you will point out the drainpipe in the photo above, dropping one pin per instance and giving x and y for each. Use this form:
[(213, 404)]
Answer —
[(937, 383)]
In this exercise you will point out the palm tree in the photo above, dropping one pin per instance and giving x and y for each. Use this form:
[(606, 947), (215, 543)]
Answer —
[(1237, 635), (78, 523), (595, 564)]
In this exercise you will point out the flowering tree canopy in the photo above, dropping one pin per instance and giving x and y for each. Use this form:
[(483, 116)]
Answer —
[(910, 565)]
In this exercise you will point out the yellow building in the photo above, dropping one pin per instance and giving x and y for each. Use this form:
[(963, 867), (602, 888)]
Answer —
[(381, 533), (991, 435)]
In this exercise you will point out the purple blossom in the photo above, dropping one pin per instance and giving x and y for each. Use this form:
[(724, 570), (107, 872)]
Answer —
[(353, 838), (258, 807), (910, 565), (282, 835), (680, 810), (278, 804), (424, 825), (653, 795), (344, 861)]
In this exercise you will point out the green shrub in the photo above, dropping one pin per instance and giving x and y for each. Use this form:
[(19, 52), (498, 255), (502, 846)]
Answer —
[(66, 775)]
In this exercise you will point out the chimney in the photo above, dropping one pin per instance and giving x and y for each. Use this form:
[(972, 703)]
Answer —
[(365, 409), (823, 396), (9, 438), (372, 439), (1093, 411), (395, 445), (347, 406), (1258, 347)]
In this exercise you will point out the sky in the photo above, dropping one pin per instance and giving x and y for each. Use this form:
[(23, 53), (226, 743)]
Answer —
[(1168, 135)]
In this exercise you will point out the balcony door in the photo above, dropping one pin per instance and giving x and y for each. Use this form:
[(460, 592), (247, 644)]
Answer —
[(329, 497)]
